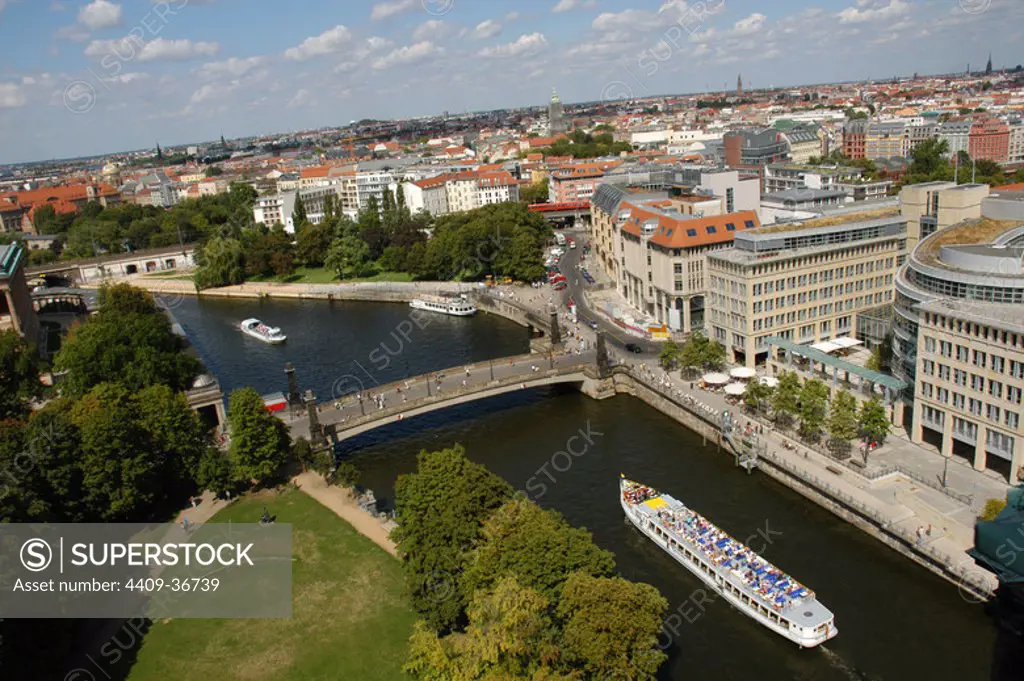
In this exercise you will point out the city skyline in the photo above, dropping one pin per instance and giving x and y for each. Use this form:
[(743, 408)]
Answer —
[(88, 78)]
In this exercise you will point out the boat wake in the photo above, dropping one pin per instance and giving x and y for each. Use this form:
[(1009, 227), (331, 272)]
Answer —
[(837, 662)]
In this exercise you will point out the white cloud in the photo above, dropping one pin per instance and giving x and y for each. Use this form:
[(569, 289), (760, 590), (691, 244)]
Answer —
[(327, 42), (407, 55), (751, 24), (204, 93), (128, 77), (11, 94), (566, 5), (301, 98), (433, 29), (100, 14), (74, 32), (873, 10), (511, 16), (383, 10), (486, 29), (373, 45), (160, 49), (233, 67), (525, 45)]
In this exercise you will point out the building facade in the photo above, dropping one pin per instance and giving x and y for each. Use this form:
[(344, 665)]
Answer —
[(931, 206), (989, 139), (16, 311), (805, 283)]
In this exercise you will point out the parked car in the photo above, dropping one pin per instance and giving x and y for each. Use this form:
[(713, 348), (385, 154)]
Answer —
[(634, 348), (561, 286)]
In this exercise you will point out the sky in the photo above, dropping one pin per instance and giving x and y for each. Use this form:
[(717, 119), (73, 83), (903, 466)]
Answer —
[(83, 77)]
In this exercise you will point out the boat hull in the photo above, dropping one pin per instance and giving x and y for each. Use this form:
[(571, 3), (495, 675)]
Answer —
[(270, 340), (717, 584), (420, 305)]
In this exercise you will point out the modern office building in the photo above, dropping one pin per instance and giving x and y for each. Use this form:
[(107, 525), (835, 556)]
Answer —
[(803, 282), (931, 206), (792, 204), (754, 148), (654, 247), (959, 337)]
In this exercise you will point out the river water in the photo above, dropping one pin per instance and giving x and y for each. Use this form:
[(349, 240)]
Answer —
[(897, 621)]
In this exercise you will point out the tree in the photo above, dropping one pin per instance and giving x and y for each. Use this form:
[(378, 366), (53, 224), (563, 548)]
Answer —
[(259, 440), (691, 355), (928, 157), (842, 420), (535, 545), (348, 257), (221, 262), (214, 472), (993, 507), (119, 345), (214, 171), (536, 192), (345, 475), (19, 375), (299, 217), (44, 219), (786, 397), (611, 627), (669, 355), (873, 422), (440, 511), (756, 394), (713, 355), (510, 635), (813, 407)]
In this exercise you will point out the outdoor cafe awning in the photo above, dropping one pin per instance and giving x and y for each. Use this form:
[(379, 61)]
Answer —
[(826, 347), (735, 388), (743, 372), (716, 379), (847, 342)]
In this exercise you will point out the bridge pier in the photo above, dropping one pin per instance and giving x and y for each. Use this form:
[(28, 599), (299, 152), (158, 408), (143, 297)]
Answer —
[(316, 431)]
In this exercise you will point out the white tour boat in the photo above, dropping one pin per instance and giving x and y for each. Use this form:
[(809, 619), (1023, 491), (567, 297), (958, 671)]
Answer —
[(458, 306), (267, 334), (754, 586)]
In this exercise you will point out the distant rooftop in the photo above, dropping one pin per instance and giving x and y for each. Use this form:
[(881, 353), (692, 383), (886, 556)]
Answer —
[(981, 231), (833, 219)]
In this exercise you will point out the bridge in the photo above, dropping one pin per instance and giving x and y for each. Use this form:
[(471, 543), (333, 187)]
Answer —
[(74, 300), (564, 211), (360, 410)]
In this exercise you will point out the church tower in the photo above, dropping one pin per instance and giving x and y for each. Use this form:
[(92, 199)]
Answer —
[(739, 85)]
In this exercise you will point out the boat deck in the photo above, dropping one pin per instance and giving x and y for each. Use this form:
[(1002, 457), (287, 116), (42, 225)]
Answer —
[(732, 560)]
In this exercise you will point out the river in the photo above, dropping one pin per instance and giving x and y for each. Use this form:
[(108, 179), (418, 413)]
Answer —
[(897, 621)]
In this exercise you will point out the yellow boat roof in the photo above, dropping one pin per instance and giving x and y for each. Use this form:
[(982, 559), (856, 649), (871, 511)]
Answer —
[(655, 503)]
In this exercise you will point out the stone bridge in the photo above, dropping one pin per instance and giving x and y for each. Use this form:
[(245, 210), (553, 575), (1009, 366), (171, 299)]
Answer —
[(357, 413), (64, 300)]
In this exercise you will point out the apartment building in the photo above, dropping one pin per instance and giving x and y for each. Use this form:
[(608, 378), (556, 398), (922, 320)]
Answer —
[(462, 191), (373, 183), (752, 148), (654, 247), (849, 180), (804, 282), (577, 181), (1016, 144), (796, 204), (959, 337), (957, 136), (931, 206), (989, 139), (279, 208), (802, 145), (874, 139)]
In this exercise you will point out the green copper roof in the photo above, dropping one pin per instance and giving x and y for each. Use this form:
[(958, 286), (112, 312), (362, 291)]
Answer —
[(10, 256)]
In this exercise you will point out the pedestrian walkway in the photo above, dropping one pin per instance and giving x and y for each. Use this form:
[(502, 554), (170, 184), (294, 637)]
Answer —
[(340, 500)]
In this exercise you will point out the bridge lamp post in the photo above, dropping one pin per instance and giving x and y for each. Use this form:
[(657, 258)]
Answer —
[(491, 366)]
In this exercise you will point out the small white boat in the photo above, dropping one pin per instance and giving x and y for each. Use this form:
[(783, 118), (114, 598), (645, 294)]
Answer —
[(457, 306), (267, 334)]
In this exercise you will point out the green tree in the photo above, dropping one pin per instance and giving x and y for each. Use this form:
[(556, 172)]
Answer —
[(173, 428), (44, 219), (611, 627), (348, 257), (786, 398), (756, 394), (813, 408), (873, 421), (259, 440), (691, 355), (993, 507), (221, 262), (214, 171), (440, 511), (842, 420), (19, 375), (713, 355), (927, 157), (668, 358), (134, 349), (536, 192), (214, 472), (535, 545), (299, 216), (346, 474)]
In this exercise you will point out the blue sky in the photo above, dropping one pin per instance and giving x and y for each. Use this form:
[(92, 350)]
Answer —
[(95, 76)]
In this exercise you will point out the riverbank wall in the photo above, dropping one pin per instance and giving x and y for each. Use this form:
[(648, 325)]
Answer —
[(972, 583)]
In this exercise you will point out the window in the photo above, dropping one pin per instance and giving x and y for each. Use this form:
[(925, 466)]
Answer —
[(961, 354), (929, 344), (730, 227), (691, 232), (1012, 419), (711, 229), (992, 412), (979, 358), (995, 388), (749, 224), (1013, 394)]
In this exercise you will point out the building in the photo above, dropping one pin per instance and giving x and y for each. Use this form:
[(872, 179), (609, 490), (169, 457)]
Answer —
[(556, 118), (802, 144), (931, 206), (804, 282), (799, 204), (739, 85), (855, 135), (959, 337), (16, 311), (654, 247), (888, 139), (754, 148), (782, 177), (280, 208), (989, 139), (462, 191), (1016, 144), (577, 181), (17, 208), (956, 135)]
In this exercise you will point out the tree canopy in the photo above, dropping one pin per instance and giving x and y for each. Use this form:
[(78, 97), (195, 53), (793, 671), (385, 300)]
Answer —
[(260, 445), (19, 375)]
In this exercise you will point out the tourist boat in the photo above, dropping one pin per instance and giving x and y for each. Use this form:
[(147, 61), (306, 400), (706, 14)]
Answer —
[(735, 572), (458, 306), (267, 334)]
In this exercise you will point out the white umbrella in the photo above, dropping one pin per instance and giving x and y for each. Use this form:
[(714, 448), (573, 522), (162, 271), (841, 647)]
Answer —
[(742, 372), (847, 342), (735, 389), (769, 381), (826, 346), (716, 379)]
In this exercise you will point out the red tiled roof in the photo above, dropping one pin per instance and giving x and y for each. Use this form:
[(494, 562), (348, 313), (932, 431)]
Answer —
[(676, 233)]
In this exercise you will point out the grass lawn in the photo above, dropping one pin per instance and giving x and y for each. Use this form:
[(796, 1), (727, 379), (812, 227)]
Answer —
[(321, 275), (350, 619)]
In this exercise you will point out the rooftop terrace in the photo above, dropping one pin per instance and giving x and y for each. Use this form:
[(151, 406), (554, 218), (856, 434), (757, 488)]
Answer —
[(832, 220), (981, 231)]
